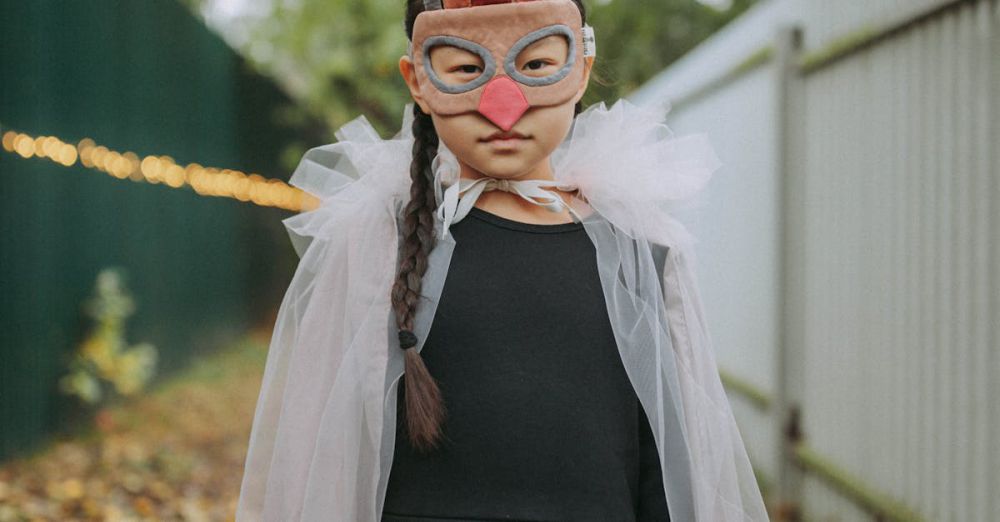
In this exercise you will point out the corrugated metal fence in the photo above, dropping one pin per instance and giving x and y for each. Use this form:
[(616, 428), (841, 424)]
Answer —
[(851, 249)]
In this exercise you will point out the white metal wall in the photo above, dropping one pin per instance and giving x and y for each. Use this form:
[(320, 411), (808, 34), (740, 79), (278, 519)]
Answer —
[(895, 151), (737, 245)]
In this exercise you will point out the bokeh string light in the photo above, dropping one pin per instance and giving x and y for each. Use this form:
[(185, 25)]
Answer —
[(206, 181)]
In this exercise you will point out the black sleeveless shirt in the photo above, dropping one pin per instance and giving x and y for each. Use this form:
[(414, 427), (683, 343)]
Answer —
[(542, 423)]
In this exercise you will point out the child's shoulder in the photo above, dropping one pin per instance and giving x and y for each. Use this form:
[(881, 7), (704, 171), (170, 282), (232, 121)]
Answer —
[(359, 166), (359, 181)]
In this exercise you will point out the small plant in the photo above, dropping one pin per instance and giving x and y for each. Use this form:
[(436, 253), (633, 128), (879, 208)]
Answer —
[(104, 359)]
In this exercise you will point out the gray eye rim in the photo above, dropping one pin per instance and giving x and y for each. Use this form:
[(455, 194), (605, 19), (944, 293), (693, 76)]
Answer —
[(510, 66), (489, 65)]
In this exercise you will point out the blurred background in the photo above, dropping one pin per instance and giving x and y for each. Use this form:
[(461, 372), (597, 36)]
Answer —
[(849, 253)]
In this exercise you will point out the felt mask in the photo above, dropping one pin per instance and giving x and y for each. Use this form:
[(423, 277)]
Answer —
[(501, 33)]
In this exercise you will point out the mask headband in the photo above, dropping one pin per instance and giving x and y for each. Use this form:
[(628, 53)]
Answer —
[(498, 32)]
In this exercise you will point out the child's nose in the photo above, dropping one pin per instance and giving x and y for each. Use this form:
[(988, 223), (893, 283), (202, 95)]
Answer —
[(502, 102)]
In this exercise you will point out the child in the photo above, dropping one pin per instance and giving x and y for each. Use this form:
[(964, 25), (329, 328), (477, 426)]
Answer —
[(552, 362)]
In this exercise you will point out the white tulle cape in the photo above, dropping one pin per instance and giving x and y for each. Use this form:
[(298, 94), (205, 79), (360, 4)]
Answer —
[(322, 441)]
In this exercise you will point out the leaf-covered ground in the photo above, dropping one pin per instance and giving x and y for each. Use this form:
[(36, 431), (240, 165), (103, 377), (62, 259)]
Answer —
[(175, 453)]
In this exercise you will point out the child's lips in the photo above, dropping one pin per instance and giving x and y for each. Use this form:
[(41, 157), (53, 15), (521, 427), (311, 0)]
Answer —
[(506, 141), (505, 137), (506, 144)]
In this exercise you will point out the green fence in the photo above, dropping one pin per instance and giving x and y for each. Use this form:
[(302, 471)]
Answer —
[(146, 77)]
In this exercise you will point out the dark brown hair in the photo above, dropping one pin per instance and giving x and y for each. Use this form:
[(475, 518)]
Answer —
[(424, 407)]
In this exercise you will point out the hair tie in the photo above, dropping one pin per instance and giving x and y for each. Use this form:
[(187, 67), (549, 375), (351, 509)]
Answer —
[(407, 339)]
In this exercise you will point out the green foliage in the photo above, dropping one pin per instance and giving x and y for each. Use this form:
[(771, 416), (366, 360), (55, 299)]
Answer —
[(342, 56), (637, 39), (104, 356)]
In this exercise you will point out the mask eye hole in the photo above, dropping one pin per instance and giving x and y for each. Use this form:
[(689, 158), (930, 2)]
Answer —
[(543, 56), (455, 65)]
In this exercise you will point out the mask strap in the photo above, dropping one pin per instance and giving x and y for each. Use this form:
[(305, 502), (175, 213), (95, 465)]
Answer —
[(589, 41)]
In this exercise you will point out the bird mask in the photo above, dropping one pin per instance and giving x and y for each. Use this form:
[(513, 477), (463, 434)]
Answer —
[(499, 31)]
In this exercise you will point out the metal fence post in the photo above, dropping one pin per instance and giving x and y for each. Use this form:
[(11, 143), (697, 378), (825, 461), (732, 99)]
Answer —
[(790, 353)]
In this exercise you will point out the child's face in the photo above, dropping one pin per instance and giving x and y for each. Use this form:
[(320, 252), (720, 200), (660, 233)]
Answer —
[(467, 134)]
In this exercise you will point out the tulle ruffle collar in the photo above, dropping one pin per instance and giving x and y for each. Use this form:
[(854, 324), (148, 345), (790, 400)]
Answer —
[(624, 159)]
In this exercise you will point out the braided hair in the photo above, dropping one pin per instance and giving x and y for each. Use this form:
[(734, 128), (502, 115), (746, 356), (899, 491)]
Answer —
[(424, 406)]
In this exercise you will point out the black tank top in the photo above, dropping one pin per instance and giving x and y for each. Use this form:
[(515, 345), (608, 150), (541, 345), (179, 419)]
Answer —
[(542, 422)]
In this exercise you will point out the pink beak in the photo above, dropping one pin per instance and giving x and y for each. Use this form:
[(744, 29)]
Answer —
[(502, 102)]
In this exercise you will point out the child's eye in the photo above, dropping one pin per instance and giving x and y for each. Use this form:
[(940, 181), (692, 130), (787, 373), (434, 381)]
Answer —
[(535, 65), (468, 68)]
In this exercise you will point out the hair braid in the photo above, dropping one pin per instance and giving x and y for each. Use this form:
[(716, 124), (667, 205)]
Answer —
[(424, 405)]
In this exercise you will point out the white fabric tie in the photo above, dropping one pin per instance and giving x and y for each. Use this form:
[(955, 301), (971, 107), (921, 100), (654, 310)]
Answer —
[(461, 196)]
